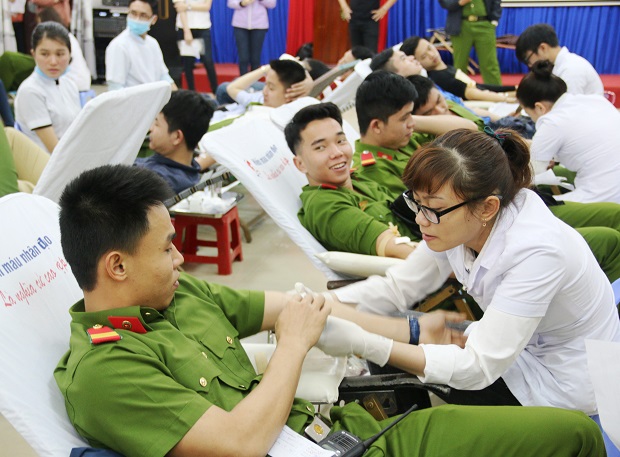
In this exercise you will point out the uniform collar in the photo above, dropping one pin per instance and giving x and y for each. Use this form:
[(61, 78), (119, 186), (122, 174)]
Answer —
[(495, 243), (360, 147), (133, 314), (171, 163)]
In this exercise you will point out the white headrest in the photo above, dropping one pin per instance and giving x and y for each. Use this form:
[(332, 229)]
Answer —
[(282, 115), (110, 129), (344, 95)]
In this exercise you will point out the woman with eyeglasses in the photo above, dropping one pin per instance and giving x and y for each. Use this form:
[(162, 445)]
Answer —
[(539, 285), (47, 103), (581, 132)]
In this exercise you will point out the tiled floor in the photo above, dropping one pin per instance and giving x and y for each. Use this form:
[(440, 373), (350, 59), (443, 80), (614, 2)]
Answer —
[(271, 261)]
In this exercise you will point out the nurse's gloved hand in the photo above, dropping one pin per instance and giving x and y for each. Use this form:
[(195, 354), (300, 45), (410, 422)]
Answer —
[(303, 291), (342, 338)]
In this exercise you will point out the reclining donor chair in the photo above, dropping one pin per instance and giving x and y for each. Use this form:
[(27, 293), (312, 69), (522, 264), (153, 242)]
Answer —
[(36, 289)]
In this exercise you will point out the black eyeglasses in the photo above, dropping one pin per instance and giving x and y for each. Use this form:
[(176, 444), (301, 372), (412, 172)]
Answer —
[(527, 59), (430, 214)]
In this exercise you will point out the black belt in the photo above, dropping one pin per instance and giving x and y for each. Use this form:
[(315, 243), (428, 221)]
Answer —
[(472, 18)]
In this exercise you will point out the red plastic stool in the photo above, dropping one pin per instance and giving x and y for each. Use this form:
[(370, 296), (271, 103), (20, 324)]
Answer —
[(228, 242)]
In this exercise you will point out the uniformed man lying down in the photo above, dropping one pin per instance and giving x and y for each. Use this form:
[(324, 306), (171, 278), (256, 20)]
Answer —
[(344, 210), (155, 367)]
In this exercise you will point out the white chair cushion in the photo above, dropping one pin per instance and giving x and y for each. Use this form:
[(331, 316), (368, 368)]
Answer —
[(36, 289), (321, 374), (358, 265)]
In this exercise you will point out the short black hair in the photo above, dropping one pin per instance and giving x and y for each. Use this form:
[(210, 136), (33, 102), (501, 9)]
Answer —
[(292, 131), (316, 68), (189, 112), (423, 87), (382, 61), (305, 51), (152, 3), (410, 45), (540, 84), (381, 95), (362, 52), (289, 71), (106, 208), (532, 37), (52, 31)]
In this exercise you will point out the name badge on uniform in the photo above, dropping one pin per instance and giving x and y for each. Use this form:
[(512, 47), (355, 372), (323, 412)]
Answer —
[(317, 430)]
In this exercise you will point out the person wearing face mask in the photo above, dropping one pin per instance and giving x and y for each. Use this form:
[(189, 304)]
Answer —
[(134, 57), (47, 103)]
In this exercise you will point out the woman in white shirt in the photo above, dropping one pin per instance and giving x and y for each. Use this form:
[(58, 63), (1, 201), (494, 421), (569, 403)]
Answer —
[(78, 71), (194, 22), (534, 277), (581, 132), (46, 104)]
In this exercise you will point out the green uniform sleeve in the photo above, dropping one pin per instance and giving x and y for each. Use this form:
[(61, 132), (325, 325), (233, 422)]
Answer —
[(244, 309), (336, 220), (8, 173)]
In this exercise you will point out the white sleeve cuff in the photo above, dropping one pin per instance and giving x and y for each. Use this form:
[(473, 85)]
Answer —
[(439, 363)]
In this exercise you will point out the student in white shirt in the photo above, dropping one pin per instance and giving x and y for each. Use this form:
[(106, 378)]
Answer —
[(582, 132), (537, 281), (46, 103), (285, 81), (134, 57), (540, 42)]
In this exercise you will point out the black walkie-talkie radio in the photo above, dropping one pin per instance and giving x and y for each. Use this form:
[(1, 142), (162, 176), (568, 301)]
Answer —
[(345, 444)]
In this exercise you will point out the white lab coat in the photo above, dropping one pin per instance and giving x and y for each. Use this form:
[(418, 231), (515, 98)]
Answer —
[(582, 132), (542, 292)]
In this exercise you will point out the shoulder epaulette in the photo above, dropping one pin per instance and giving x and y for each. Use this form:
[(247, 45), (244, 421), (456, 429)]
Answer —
[(101, 334), (367, 159)]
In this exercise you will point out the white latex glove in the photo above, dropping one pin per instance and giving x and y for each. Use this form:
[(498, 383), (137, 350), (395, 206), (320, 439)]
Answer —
[(550, 179), (342, 338), (303, 290)]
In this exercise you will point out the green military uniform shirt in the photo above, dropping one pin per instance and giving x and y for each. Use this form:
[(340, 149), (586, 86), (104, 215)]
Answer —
[(465, 113), (388, 165), (349, 220), (141, 394)]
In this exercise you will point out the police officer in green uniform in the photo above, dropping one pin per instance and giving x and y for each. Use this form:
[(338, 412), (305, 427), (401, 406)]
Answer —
[(155, 367), (473, 23), (344, 211), (384, 103)]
